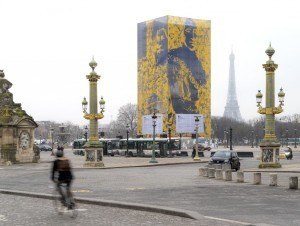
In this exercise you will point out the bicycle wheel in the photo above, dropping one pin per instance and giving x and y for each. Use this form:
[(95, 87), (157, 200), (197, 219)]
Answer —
[(73, 207), (57, 201)]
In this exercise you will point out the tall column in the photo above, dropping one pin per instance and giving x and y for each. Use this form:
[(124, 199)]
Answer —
[(270, 144), (93, 148)]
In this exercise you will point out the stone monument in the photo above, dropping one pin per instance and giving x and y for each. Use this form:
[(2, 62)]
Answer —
[(16, 129)]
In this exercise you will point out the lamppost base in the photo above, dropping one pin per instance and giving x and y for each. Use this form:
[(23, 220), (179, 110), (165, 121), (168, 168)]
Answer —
[(197, 159), (269, 165), (269, 155), (93, 164), (153, 161), (93, 157)]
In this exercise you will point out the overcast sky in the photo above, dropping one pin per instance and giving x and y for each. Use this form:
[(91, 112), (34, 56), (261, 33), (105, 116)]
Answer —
[(46, 46)]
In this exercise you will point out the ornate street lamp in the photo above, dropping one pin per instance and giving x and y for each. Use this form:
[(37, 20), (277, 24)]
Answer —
[(154, 118), (270, 144), (93, 147), (295, 133), (196, 145), (127, 132)]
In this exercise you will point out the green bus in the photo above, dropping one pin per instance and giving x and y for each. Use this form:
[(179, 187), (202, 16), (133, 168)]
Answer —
[(110, 146), (142, 147)]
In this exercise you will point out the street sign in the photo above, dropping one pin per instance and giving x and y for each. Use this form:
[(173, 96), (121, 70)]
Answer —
[(147, 127), (185, 123)]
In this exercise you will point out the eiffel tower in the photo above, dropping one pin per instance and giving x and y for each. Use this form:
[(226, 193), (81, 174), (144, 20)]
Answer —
[(232, 109)]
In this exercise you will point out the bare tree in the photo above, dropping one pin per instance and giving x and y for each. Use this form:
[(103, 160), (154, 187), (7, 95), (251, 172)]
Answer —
[(128, 115)]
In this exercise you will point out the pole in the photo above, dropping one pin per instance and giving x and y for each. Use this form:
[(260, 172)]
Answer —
[(252, 139), (153, 160), (196, 146), (52, 153), (230, 138), (295, 130), (127, 143), (227, 139), (170, 151), (287, 137)]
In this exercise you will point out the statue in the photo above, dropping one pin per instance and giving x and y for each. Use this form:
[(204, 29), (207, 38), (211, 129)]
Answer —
[(16, 128)]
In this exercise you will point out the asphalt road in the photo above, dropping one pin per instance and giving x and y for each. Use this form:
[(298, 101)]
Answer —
[(177, 186)]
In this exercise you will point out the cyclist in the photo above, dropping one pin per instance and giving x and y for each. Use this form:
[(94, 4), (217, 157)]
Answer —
[(62, 174)]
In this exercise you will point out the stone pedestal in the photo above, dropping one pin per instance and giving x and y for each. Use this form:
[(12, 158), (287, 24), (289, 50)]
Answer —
[(270, 155), (94, 157)]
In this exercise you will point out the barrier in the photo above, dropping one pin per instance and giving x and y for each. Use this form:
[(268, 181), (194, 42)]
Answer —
[(205, 172), (228, 175), (293, 183), (257, 178), (240, 177), (273, 179), (201, 171), (219, 174), (211, 173)]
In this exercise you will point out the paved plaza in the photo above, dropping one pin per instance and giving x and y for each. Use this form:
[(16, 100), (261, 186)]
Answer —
[(131, 191)]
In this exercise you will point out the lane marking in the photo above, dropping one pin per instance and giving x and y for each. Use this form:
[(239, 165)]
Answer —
[(227, 220), (135, 189), (81, 191), (3, 218), (81, 210)]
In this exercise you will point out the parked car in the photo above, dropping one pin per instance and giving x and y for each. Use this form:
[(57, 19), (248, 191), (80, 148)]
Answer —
[(225, 157), (202, 147), (44, 147)]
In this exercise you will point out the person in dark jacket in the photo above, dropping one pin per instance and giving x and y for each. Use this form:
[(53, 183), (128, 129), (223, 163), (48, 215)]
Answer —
[(62, 174)]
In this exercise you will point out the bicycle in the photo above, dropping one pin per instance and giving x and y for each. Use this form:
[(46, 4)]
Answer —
[(68, 205)]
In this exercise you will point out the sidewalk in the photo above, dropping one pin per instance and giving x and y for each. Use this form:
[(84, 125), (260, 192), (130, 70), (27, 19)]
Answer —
[(121, 161)]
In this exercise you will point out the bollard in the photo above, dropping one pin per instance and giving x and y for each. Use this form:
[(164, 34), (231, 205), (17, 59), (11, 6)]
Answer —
[(257, 178), (273, 179), (219, 174), (211, 173), (240, 177), (228, 175), (201, 171), (293, 183), (205, 172)]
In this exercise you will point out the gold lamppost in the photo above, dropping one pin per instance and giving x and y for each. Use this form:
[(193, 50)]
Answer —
[(93, 148), (270, 144), (196, 146)]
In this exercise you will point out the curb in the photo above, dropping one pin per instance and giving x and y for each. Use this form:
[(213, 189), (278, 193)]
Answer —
[(132, 166), (125, 205)]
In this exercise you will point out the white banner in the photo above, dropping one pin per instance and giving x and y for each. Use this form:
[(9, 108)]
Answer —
[(147, 127), (185, 123)]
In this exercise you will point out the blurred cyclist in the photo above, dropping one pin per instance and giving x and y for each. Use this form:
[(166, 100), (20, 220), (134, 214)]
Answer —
[(62, 174)]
